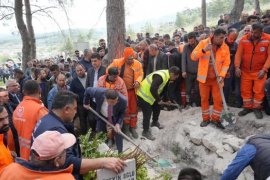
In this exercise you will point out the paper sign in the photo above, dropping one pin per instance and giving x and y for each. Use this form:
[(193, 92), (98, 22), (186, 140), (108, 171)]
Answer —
[(129, 172)]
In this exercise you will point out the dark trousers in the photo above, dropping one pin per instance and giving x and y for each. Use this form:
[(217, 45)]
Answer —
[(147, 111), (228, 83), (237, 90), (101, 127), (174, 92), (83, 115), (192, 83)]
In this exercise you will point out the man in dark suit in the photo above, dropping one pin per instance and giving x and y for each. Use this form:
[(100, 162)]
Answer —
[(111, 105), (157, 60), (77, 86), (21, 78), (95, 71), (13, 93)]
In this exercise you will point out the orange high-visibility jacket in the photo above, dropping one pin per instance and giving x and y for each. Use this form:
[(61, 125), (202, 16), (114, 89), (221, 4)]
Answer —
[(118, 85), (5, 155), (222, 58), (17, 171), (136, 67), (253, 57), (25, 118)]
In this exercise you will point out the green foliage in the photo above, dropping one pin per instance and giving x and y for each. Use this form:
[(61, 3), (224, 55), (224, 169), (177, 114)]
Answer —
[(148, 28), (3, 58), (130, 32), (81, 38), (163, 176)]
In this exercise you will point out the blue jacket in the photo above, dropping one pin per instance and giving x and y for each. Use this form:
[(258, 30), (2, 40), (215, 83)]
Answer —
[(99, 95), (87, 65), (51, 122), (51, 95)]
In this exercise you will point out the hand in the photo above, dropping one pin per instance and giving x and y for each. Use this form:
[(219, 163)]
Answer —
[(238, 72), (136, 84), (220, 79), (261, 74), (168, 53), (87, 106), (184, 75), (208, 47), (117, 128), (115, 164)]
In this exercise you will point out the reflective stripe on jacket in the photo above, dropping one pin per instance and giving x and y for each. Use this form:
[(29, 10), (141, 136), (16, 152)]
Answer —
[(144, 89), (222, 58)]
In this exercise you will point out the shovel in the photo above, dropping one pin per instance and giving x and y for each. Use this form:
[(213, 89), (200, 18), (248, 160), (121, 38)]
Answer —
[(161, 162), (227, 118)]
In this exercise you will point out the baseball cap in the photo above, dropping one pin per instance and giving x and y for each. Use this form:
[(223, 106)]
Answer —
[(50, 144)]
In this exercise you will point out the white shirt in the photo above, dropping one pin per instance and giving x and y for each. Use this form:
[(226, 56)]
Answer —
[(104, 108)]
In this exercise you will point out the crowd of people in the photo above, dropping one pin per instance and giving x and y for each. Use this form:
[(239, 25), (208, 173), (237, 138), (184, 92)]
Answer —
[(39, 105)]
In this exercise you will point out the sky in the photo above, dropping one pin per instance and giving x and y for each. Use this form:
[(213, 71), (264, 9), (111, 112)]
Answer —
[(90, 14)]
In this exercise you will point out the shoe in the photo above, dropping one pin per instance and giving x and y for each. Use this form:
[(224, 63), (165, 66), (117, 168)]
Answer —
[(125, 130), (258, 113), (204, 123), (134, 133), (148, 135), (156, 123), (218, 124), (244, 112)]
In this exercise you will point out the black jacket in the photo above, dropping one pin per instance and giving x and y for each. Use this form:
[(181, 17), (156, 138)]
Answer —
[(161, 63), (91, 75)]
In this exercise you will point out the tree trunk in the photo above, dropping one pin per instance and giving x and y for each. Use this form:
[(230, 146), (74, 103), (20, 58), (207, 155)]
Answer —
[(237, 10), (204, 12), (115, 28), (26, 47), (257, 7), (30, 28)]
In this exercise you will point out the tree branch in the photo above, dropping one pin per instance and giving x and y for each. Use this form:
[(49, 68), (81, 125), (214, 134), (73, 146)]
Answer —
[(7, 7), (3, 17), (43, 9)]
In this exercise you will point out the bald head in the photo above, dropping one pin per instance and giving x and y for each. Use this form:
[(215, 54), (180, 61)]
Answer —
[(232, 35)]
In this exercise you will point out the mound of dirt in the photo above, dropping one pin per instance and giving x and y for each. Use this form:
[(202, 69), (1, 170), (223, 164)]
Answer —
[(185, 144)]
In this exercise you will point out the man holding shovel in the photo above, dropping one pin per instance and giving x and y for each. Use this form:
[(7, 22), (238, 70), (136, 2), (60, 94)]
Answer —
[(208, 81)]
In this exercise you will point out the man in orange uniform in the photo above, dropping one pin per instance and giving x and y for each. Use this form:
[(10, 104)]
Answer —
[(5, 155), (131, 72), (252, 61), (48, 156), (27, 114), (113, 81), (206, 75)]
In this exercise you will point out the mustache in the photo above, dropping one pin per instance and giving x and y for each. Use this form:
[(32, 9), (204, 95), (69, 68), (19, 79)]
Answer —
[(4, 129)]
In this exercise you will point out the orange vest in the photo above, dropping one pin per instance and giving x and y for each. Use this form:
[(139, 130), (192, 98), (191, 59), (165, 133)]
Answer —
[(253, 57), (136, 67), (5, 155), (222, 57), (118, 85), (17, 171), (180, 48), (25, 118)]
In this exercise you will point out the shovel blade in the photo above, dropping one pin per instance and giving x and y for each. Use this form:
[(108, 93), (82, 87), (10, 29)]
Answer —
[(228, 120)]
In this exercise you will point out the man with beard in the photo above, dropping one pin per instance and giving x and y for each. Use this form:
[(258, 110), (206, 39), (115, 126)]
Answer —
[(189, 70), (78, 87), (5, 154), (252, 61)]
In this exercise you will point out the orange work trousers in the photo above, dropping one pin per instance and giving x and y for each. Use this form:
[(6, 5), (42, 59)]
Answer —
[(210, 86), (132, 110), (252, 90)]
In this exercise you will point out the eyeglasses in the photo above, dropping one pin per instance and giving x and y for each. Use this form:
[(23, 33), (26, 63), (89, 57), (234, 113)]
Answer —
[(264, 22), (3, 118)]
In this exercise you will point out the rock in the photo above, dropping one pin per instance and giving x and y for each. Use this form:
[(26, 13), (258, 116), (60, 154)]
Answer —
[(196, 136), (103, 148), (222, 153), (221, 164), (210, 141), (192, 123), (234, 142), (154, 131), (228, 148), (186, 129)]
